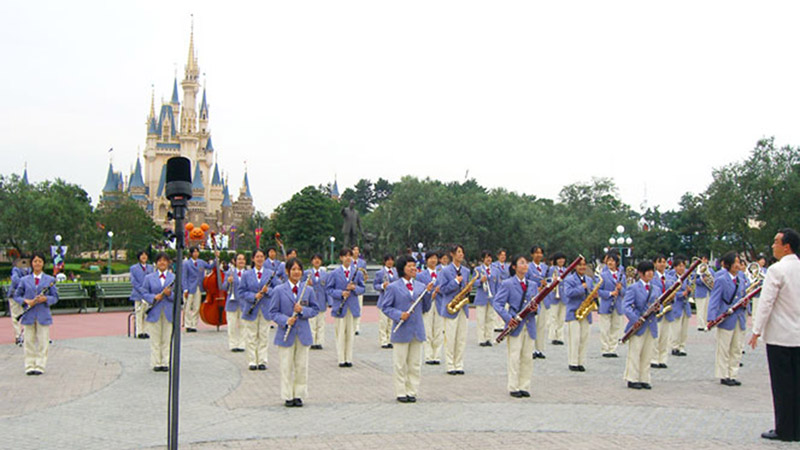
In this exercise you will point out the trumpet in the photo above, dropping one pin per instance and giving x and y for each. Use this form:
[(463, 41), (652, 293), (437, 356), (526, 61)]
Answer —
[(462, 298), (589, 304)]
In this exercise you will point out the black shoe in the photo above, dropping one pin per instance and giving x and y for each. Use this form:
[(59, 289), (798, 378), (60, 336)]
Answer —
[(342, 364), (348, 364), (253, 367), (498, 330), (436, 362), (430, 363), (411, 399), (735, 382), (701, 329), (662, 366), (771, 435), (655, 365), (581, 369), (634, 385), (675, 352), (557, 342), (288, 403), (482, 344), (459, 372), (31, 372), (608, 355), (515, 394), (681, 353), (385, 346), (140, 336), (574, 368), (452, 372), (727, 382), (614, 355), (262, 367), (390, 345), (525, 393), (298, 403), (239, 350), (402, 399), (488, 343), (146, 336), (646, 386), (316, 347), (191, 330)]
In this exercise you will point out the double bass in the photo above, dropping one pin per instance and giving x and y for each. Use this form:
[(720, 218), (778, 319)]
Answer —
[(212, 310)]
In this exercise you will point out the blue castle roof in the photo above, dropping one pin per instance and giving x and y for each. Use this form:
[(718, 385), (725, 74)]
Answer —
[(175, 92), (137, 180), (162, 180)]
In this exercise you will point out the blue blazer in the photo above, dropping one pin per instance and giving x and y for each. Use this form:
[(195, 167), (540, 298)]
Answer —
[(537, 272), (607, 302), (16, 275), (193, 274), (724, 295), (318, 283), (233, 284), (551, 297), (510, 293), (424, 277), (680, 305), (637, 300), (282, 307), (250, 286), (481, 297), (137, 279), (27, 290), (336, 283), (378, 279), (575, 294), (702, 290), (658, 288), (396, 300), (152, 287), (280, 271), (449, 287)]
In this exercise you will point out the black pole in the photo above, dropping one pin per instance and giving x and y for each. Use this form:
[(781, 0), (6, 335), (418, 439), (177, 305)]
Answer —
[(179, 213)]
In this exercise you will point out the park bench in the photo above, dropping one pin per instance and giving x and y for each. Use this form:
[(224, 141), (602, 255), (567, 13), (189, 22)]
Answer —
[(112, 291), (73, 292)]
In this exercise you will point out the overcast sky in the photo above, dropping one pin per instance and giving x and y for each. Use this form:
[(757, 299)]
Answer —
[(529, 96)]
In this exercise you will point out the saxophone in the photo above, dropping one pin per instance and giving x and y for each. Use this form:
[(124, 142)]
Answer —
[(462, 298), (589, 304)]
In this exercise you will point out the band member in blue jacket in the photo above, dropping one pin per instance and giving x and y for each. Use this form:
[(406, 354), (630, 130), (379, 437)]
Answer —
[(638, 297), (318, 275), (501, 266), (453, 279), (383, 277), (293, 305), (157, 292), (537, 273), (138, 272), (434, 323), (361, 265), (486, 287), (701, 297), (36, 292), (257, 287), (577, 287), (234, 282), (611, 307), (21, 269), (729, 287), (194, 271), (660, 283), (678, 317), (557, 301), (344, 285), (512, 297), (408, 338), (272, 263)]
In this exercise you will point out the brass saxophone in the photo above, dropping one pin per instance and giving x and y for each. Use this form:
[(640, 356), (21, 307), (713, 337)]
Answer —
[(589, 304), (462, 298)]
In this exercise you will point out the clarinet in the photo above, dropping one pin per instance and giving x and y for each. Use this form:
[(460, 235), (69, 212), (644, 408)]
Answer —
[(44, 288), (294, 315), (156, 301), (269, 281), (344, 300)]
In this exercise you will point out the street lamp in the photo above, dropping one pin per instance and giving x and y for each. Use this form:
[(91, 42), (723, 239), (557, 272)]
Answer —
[(110, 236), (620, 240), (333, 239)]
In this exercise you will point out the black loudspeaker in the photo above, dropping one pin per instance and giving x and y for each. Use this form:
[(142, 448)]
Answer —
[(179, 178)]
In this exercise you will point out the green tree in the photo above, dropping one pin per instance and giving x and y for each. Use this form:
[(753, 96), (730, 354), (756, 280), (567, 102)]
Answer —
[(246, 232), (307, 221), (133, 228)]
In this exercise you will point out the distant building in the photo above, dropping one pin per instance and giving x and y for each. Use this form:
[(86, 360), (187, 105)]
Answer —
[(182, 130)]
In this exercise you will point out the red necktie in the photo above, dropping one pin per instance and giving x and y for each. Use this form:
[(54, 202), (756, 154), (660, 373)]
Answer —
[(663, 285), (488, 271), (144, 269), (433, 275), (647, 286), (524, 287), (410, 287), (259, 275), (347, 274), (239, 274), (316, 274), (195, 263), (539, 269), (615, 276), (294, 290), (163, 277), (37, 281)]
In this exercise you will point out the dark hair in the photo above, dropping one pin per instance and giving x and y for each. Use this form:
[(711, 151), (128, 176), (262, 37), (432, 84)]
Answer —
[(614, 257), (485, 253), (140, 253), (761, 256), (345, 251), (387, 257), (162, 255), (429, 255), (659, 257), (559, 255), (728, 259), (193, 249), (512, 265), (612, 251), (501, 250), (678, 260), (39, 255), (455, 248), (236, 256), (291, 249), (401, 264), (272, 247), (316, 255), (536, 247), (258, 250), (645, 266), (791, 238), (291, 263)]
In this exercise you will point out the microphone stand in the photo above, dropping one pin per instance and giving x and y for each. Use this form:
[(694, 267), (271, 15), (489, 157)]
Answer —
[(179, 204)]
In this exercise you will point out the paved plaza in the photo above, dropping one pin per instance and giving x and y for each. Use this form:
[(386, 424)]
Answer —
[(99, 393)]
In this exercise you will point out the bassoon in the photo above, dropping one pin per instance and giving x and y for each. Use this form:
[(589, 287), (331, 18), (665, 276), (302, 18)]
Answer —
[(534, 303), (656, 305), (740, 304)]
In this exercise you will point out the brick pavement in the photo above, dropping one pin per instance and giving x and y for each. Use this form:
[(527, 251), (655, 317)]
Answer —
[(100, 393)]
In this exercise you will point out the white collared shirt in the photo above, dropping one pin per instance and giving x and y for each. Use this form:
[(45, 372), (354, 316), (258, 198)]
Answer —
[(778, 317)]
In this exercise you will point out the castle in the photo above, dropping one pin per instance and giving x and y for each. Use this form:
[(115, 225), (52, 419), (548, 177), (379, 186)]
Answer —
[(182, 130)]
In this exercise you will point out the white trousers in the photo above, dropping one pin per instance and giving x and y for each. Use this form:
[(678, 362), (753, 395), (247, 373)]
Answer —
[(434, 332), (256, 338), (729, 352), (455, 340), (294, 370), (357, 320), (37, 345), (680, 332), (407, 358), (384, 328), (542, 324), (578, 337), (139, 309), (235, 332), (191, 310), (345, 331), (661, 345), (702, 311), (637, 364), (520, 363), (610, 328), (558, 312), (318, 328), (485, 317), (16, 310), (160, 333)]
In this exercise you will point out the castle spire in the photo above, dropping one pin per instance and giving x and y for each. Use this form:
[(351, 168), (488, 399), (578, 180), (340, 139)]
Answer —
[(192, 66), (152, 101), (175, 99), (25, 174)]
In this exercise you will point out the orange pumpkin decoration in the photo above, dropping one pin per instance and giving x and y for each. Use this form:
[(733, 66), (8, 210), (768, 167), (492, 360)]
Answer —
[(197, 234), (204, 227), (189, 226)]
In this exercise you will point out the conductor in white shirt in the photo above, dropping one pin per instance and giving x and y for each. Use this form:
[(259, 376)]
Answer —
[(778, 322)]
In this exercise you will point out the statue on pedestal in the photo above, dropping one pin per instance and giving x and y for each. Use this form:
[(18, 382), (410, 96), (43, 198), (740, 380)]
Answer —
[(351, 228)]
